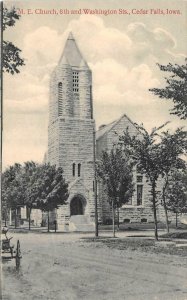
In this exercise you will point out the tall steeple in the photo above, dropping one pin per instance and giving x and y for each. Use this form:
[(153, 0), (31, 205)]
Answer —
[(71, 131), (72, 53), (71, 85)]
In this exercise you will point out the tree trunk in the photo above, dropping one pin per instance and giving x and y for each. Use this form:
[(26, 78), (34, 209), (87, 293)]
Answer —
[(96, 212), (154, 210), (166, 214), (15, 218), (48, 223), (29, 218), (5, 218), (95, 184), (113, 219), (164, 201), (176, 219), (118, 217), (10, 217)]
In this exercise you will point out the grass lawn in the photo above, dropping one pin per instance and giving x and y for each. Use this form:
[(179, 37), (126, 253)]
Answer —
[(176, 235), (165, 245), (142, 226)]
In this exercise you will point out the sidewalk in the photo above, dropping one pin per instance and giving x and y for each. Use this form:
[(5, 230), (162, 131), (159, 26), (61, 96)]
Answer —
[(107, 232)]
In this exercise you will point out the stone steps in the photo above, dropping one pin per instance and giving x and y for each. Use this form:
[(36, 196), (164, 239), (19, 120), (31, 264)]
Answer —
[(81, 223)]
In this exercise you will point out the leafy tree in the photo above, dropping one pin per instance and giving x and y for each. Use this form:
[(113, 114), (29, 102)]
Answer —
[(175, 89), (53, 189), (115, 170), (33, 185), (29, 181), (19, 187), (176, 192), (156, 154), (144, 149), (172, 147), (13, 195), (11, 54)]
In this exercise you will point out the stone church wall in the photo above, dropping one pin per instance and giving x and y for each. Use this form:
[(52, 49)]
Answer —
[(129, 212), (71, 128)]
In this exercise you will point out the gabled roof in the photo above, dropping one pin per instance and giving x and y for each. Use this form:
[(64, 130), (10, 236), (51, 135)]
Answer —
[(72, 54), (105, 129), (101, 132)]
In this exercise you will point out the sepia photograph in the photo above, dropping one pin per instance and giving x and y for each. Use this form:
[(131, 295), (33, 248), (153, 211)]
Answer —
[(94, 150)]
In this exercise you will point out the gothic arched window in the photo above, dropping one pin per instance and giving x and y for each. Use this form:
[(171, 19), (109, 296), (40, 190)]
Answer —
[(79, 170), (73, 170), (60, 108)]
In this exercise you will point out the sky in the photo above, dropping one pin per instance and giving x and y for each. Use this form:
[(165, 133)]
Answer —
[(122, 51)]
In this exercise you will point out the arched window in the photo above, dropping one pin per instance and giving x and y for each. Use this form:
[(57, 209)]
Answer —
[(79, 170), (60, 108), (73, 170)]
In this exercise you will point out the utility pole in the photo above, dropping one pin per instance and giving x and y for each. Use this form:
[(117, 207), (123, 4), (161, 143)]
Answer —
[(95, 185)]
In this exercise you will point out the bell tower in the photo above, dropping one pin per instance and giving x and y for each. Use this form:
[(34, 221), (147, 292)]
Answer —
[(71, 135)]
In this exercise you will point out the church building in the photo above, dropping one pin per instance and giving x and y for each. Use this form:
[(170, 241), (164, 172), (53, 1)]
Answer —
[(72, 145)]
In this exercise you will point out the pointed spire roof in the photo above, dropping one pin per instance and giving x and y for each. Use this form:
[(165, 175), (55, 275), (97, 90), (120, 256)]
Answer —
[(71, 37), (83, 64), (64, 61), (72, 53)]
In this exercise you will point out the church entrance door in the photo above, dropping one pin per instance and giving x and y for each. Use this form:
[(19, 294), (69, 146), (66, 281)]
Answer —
[(77, 206)]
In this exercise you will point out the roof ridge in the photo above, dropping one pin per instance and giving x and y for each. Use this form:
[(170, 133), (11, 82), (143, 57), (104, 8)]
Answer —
[(113, 124)]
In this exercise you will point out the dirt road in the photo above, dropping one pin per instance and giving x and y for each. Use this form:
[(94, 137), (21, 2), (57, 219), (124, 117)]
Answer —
[(61, 266)]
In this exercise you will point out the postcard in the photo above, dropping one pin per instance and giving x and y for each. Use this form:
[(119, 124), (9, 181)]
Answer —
[(82, 81)]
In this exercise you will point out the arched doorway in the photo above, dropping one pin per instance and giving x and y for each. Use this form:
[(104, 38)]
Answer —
[(77, 206)]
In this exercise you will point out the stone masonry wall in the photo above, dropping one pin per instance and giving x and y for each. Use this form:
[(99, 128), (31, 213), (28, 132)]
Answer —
[(71, 134), (131, 212)]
